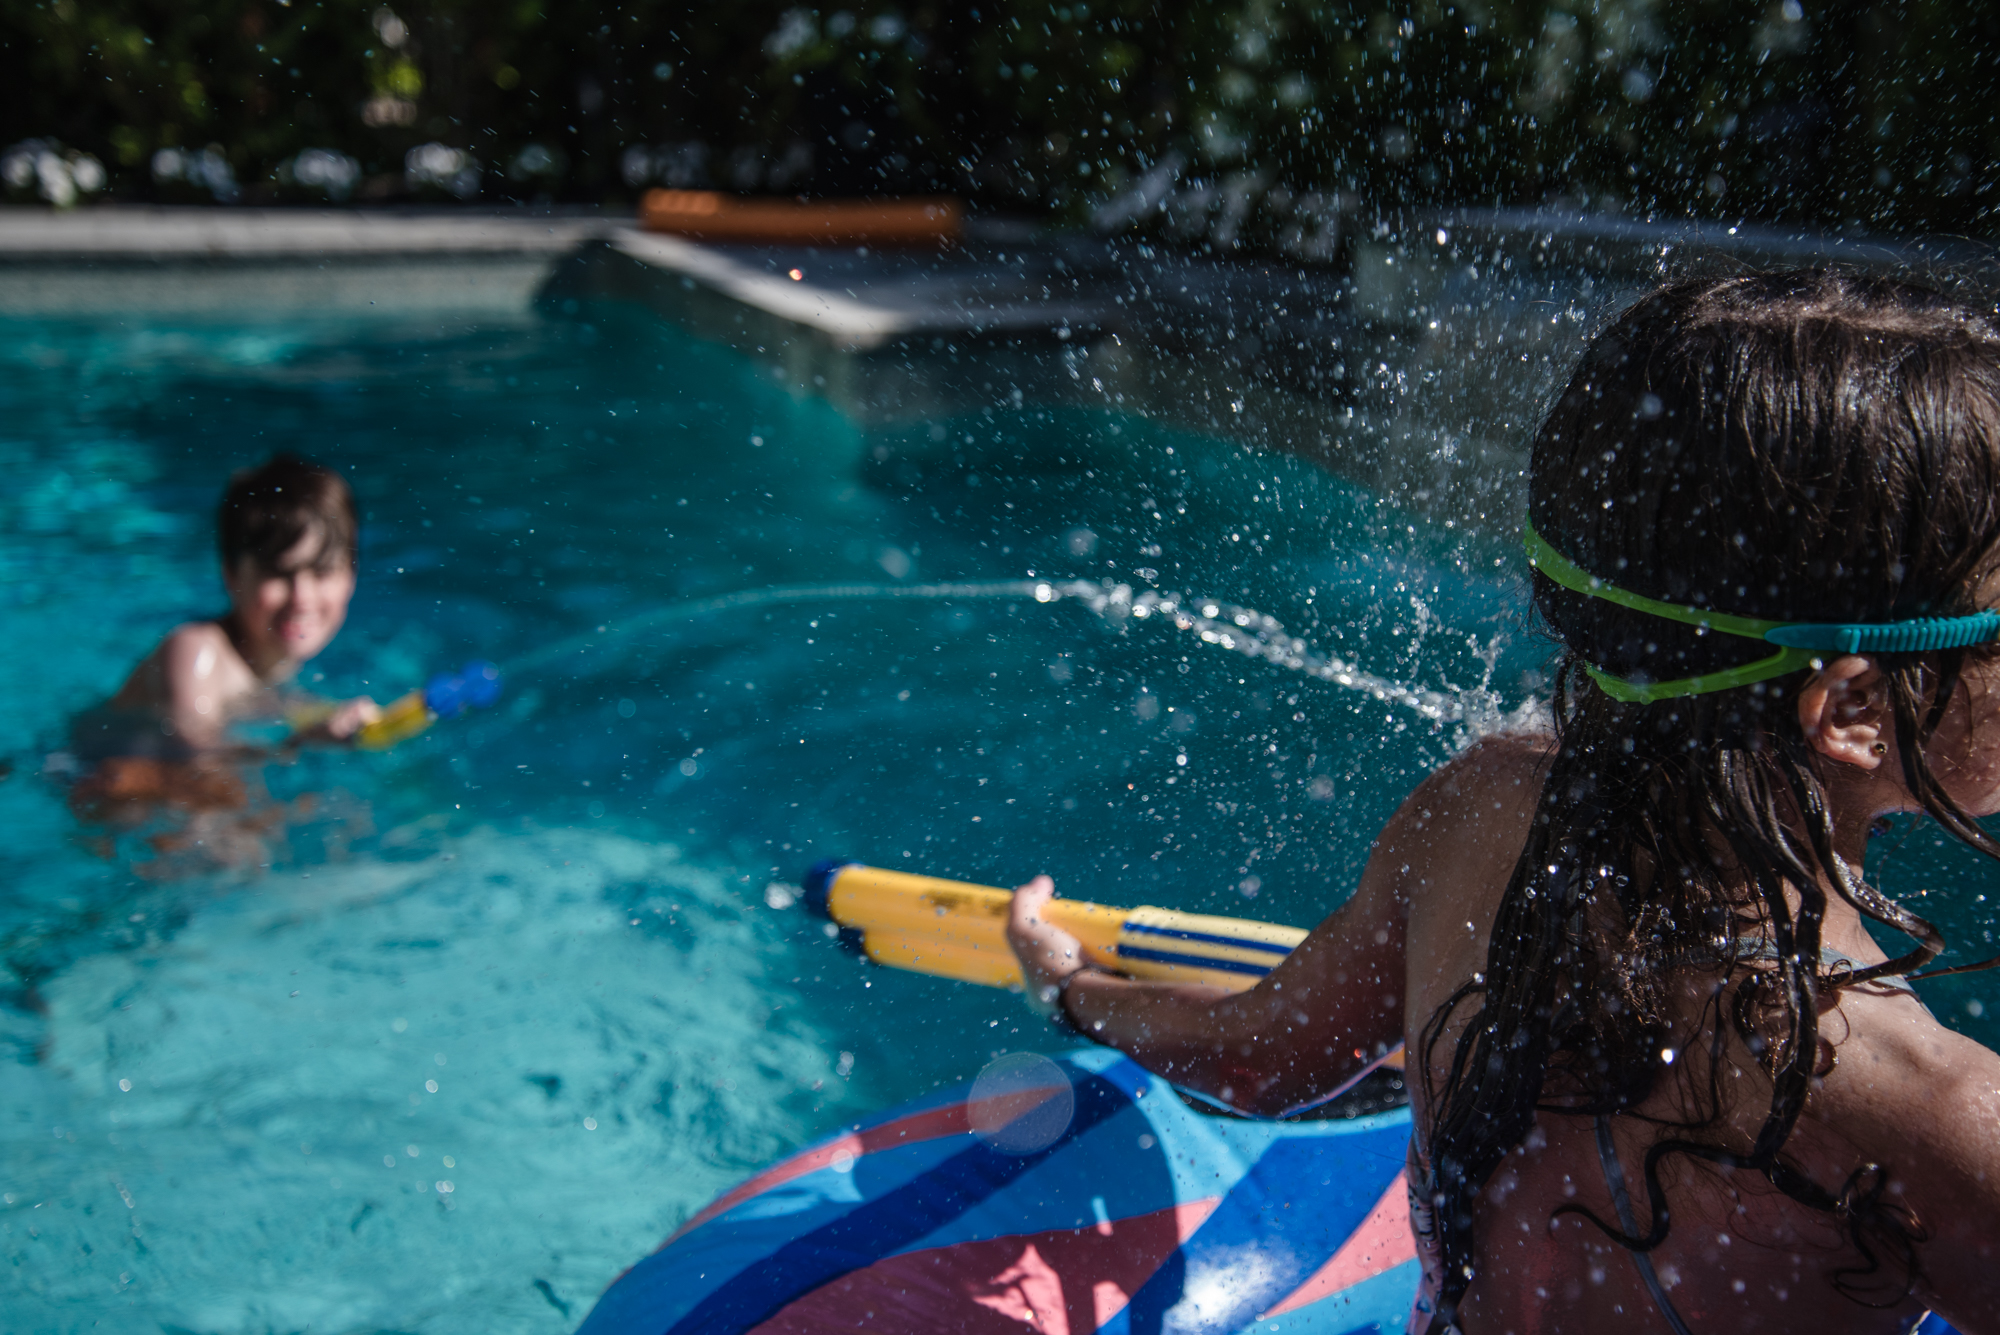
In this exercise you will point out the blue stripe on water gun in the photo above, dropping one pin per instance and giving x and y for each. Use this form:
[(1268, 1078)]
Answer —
[(1126, 952), (1211, 938)]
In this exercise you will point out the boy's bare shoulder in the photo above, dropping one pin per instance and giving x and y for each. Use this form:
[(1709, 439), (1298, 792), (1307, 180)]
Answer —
[(191, 652), (199, 649), (193, 636)]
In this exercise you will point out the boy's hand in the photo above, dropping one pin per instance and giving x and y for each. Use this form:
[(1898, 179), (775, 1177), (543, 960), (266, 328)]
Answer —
[(350, 717), (1048, 954)]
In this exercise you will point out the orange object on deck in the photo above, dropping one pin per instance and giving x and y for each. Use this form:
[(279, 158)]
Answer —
[(709, 215)]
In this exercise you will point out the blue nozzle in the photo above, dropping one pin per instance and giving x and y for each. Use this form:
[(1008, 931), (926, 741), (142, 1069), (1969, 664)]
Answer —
[(819, 884), (476, 687)]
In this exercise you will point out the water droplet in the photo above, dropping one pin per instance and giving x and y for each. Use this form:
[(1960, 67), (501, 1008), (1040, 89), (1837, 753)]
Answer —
[(1021, 1103)]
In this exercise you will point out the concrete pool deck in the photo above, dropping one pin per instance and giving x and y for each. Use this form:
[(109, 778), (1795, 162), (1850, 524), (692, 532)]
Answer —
[(195, 263), (1413, 366)]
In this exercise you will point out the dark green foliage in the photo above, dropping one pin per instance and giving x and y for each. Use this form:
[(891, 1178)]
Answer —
[(1823, 113)]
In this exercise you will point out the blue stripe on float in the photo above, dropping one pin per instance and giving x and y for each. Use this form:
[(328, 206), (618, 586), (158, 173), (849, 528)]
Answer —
[(1192, 961), (1292, 1211), (886, 1224), (1181, 934)]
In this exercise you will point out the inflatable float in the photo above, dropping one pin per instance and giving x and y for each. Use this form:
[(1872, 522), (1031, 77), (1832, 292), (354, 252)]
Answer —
[(1065, 1196), (1071, 1195)]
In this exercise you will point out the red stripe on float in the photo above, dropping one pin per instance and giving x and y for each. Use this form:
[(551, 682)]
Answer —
[(1067, 1281), (953, 1119)]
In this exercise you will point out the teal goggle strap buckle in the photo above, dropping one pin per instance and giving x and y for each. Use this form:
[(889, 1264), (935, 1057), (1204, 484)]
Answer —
[(1801, 644)]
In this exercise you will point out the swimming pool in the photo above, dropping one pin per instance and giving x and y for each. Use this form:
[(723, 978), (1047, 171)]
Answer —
[(475, 1023)]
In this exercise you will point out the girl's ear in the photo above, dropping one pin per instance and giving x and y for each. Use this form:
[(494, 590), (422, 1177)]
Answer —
[(1843, 713)]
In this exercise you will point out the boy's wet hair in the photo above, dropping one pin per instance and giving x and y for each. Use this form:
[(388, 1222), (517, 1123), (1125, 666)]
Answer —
[(270, 509)]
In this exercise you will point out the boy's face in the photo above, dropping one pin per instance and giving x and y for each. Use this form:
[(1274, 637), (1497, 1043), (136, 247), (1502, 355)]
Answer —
[(294, 611)]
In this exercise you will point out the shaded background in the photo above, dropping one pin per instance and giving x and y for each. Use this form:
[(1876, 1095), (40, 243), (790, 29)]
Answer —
[(1850, 116)]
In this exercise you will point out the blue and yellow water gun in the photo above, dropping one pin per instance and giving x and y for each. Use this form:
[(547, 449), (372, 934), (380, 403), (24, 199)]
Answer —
[(955, 929), (475, 687)]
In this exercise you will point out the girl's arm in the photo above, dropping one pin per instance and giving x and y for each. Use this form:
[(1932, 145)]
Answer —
[(1337, 1002), (1322, 1016)]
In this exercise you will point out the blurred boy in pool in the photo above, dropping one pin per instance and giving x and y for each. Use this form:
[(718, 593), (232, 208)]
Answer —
[(288, 537)]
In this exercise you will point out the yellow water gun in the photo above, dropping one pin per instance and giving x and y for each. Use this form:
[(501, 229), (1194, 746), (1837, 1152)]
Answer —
[(955, 929)]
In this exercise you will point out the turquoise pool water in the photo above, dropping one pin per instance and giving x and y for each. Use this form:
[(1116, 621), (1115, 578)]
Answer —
[(456, 1032)]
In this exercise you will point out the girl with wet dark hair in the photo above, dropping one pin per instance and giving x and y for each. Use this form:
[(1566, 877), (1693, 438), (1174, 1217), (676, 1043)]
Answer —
[(1663, 1077)]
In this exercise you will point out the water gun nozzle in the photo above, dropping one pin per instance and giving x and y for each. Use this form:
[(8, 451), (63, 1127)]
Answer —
[(818, 884), (477, 686)]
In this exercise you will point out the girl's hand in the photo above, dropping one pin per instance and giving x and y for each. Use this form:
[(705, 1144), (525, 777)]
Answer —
[(1049, 956)]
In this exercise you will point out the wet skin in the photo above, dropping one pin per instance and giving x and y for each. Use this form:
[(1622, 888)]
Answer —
[(1903, 1091), (206, 673)]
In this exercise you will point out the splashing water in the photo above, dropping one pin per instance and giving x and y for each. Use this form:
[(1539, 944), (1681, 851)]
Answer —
[(1255, 634), (1242, 630)]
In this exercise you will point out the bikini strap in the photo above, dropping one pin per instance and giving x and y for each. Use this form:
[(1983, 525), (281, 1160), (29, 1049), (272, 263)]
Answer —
[(1760, 950), (1614, 1177)]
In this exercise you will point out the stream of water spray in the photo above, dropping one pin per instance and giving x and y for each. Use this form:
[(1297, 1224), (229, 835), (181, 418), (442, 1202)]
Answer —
[(1240, 630)]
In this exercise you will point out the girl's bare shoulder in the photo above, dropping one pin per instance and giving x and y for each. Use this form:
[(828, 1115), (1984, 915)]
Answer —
[(1518, 759), (1501, 772), (1469, 817), (1923, 1101)]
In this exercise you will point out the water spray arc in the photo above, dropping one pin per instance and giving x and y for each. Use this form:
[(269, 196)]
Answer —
[(1241, 630)]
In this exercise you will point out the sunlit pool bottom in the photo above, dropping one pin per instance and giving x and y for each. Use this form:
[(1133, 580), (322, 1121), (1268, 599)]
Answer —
[(444, 1039)]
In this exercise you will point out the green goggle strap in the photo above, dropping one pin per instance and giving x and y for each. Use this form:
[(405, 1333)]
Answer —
[(1573, 577)]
